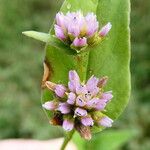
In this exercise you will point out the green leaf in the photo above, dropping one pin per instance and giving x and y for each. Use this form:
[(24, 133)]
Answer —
[(44, 37), (111, 58), (49, 39), (106, 140), (111, 139)]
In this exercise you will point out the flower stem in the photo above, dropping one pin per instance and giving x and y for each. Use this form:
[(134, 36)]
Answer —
[(67, 139)]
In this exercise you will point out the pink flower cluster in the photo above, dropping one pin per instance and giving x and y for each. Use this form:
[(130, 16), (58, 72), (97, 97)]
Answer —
[(79, 30), (78, 102)]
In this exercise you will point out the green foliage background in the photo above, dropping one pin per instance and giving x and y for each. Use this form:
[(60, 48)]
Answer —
[(21, 70)]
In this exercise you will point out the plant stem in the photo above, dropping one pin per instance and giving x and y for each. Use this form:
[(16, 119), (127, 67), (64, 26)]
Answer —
[(67, 139)]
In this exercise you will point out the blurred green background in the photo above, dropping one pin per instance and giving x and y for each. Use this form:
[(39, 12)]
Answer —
[(21, 115)]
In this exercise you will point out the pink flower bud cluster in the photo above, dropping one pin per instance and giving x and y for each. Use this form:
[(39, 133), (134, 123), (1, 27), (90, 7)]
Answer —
[(78, 30), (78, 103)]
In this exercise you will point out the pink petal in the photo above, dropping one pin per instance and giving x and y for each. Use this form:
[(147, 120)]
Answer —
[(60, 19), (73, 76), (80, 101), (107, 95), (93, 102), (92, 24), (60, 90), (106, 122), (92, 85), (68, 125), (80, 112), (81, 90), (80, 42), (87, 121), (64, 108), (59, 32), (104, 31), (73, 30), (50, 105), (101, 105), (74, 80), (71, 98)]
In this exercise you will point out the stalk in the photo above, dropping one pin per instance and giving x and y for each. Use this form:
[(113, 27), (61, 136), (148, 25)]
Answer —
[(67, 139)]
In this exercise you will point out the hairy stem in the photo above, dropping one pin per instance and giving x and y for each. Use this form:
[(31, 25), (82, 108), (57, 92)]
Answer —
[(67, 139)]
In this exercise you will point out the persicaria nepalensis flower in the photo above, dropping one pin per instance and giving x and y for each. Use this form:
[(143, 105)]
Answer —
[(78, 30), (78, 105)]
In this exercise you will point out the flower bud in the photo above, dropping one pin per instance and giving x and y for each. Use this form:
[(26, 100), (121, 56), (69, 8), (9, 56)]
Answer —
[(107, 96), (74, 80), (50, 105), (68, 125), (80, 112), (106, 122), (93, 103), (104, 31), (81, 89), (80, 101), (92, 85), (92, 24), (60, 19), (79, 42), (87, 121), (71, 98), (60, 90), (64, 108), (59, 33), (73, 30), (101, 105)]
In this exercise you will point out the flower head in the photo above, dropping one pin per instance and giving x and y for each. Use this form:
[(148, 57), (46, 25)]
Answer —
[(77, 104), (78, 30)]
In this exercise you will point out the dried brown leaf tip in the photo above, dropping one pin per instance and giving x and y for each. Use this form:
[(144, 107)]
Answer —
[(102, 82), (45, 75), (56, 120), (84, 131), (50, 85)]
